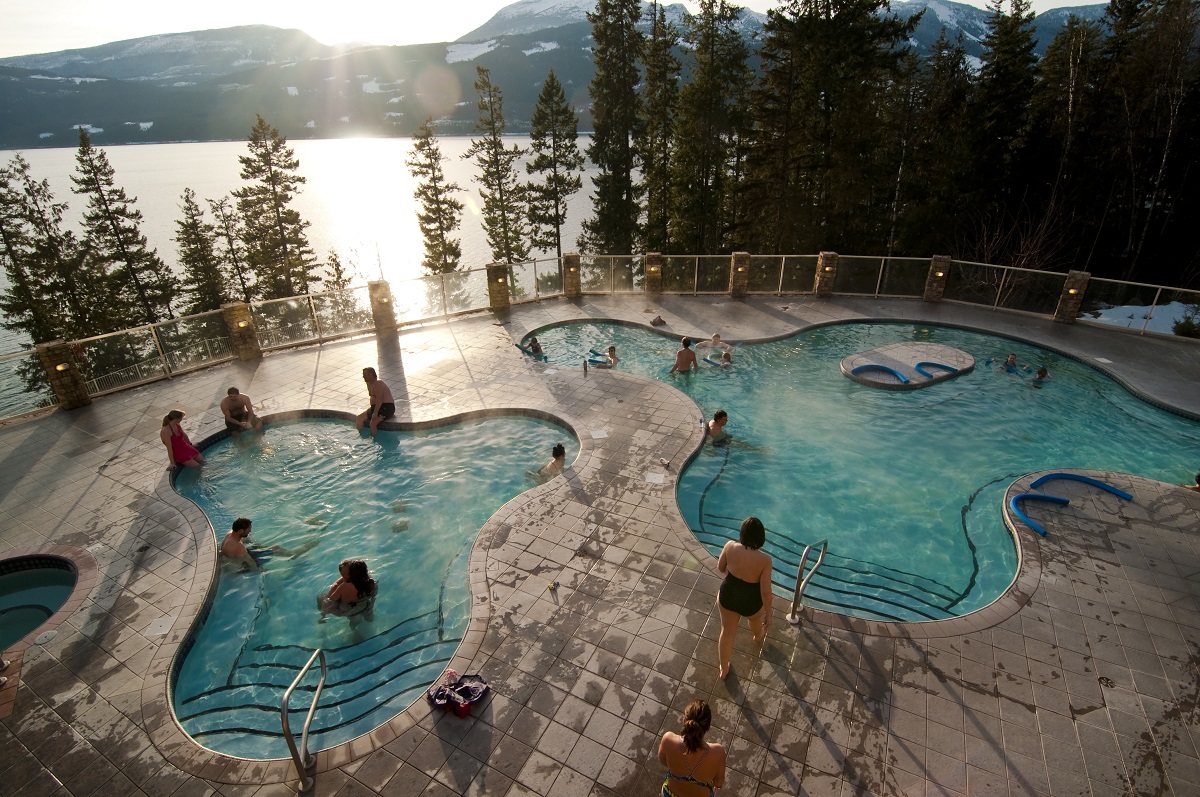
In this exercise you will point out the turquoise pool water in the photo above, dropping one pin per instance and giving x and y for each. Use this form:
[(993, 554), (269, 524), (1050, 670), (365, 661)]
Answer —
[(906, 486), (29, 598), (410, 504)]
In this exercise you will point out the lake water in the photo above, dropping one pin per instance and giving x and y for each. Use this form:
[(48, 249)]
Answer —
[(358, 198)]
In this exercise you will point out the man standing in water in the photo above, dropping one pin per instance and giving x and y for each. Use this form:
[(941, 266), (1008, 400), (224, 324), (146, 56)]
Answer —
[(383, 406), (685, 358), (234, 547)]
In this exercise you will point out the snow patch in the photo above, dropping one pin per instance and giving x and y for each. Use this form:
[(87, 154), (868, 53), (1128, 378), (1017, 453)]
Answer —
[(541, 47), (371, 87), (246, 62), (394, 100), (293, 91), (75, 80), (310, 124), (143, 126), (468, 51), (1133, 316), (179, 83), (392, 115), (344, 120), (45, 135), (91, 131)]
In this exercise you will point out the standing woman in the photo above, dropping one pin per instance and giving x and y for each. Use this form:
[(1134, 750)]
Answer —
[(695, 768), (180, 450), (746, 590)]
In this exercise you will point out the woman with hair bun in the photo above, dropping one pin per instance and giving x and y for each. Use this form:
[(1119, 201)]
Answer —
[(695, 768)]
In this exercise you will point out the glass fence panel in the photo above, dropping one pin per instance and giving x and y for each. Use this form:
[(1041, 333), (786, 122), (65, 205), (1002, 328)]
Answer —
[(466, 290), (23, 385), (418, 298), (194, 341), (904, 276), (764, 274), (1118, 304), (712, 274), (799, 273), (857, 275), (522, 282), (549, 277), (1177, 313), (122, 358), (284, 322), (627, 274), (973, 282), (679, 274), (595, 273), (1032, 291), (343, 312)]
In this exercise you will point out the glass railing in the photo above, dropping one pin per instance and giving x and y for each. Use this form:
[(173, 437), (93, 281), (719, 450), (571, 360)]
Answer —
[(342, 313), (1031, 291), (1141, 307), (194, 341), (975, 283), (120, 359), (284, 322), (611, 274), (534, 280)]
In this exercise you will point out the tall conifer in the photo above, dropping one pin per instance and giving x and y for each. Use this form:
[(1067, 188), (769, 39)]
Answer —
[(203, 280), (440, 212), (504, 204), (229, 247), (553, 130), (660, 95)]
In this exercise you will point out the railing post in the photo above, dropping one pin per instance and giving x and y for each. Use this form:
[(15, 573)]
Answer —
[(1071, 298), (572, 279), (739, 275), (654, 275), (63, 372), (935, 283), (497, 282), (243, 337), (162, 355), (827, 264), (383, 312), (312, 309)]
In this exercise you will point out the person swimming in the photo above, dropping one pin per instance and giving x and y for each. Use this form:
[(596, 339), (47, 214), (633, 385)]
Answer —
[(725, 361), (609, 358)]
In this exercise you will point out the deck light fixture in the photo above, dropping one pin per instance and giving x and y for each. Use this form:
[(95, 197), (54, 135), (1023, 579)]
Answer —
[(62, 367), (829, 268), (940, 274), (1073, 291), (243, 324), (741, 269)]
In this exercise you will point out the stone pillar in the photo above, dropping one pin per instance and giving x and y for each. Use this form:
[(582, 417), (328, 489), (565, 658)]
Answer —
[(497, 277), (66, 379), (1071, 299), (827, 263), (243, 337), (571, 277), (935, 283), (654, 267), (739, 275), (383, 310)]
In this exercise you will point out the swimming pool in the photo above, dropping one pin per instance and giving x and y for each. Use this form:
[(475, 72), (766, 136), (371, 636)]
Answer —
[(410, 503), (907, 487), (32, 589)]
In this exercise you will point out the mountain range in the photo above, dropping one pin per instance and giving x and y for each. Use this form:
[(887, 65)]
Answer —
[(208, 85)]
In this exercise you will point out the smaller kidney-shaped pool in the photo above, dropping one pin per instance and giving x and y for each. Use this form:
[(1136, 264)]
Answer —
[(32, 589)]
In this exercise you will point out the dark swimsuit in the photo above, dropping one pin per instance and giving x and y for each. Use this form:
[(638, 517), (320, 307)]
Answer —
[(386, 411), (239, 417), (688, 778), (742, 597)]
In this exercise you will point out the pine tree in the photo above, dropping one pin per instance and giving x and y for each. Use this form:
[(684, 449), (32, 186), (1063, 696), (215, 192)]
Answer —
[(440, 211), (228, 246), (277, 245), (660, 95), (29, 305), (554, 130), (203, 280), (616, 111), (504, 202), (143, 286)]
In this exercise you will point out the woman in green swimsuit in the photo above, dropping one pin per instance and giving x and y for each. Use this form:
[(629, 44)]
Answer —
[(695, 768)]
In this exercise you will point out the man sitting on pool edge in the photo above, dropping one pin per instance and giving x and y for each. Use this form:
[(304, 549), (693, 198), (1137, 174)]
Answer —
[(383, 406), (234, 548)]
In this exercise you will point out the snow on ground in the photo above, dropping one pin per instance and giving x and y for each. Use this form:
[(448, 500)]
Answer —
[(395, 100), (468, 51), (310, 124), (89, 128), (542, 47), (1133, 316), (75, 80), (293, 91), (45, 135), (143, 126)]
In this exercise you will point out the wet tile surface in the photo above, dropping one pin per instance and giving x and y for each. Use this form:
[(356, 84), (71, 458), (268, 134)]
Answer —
[(1086, 683)]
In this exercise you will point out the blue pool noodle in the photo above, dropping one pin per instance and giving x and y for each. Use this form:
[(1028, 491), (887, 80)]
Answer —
[(1012, 504), (1075, 477), (877, 367), (920, 368)]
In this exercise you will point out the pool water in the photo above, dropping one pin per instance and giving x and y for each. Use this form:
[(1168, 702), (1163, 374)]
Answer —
[(29, 598), (409, 503), (906, 486)]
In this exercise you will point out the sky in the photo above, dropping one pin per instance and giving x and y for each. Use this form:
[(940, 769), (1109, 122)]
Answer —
[(51, 25)]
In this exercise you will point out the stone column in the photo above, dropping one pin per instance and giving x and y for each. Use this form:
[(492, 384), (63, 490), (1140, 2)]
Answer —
[(571, 276), (935, 283), (243, 337), (827, 263), (739, 275), (1071, 299), (383, 310), (654, 267), (66, 378), (497, 277)]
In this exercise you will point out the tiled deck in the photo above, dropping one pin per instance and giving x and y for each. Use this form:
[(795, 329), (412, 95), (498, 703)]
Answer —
[(1084, 682)]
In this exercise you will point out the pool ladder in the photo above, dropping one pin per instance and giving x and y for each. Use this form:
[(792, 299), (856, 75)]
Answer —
[(802, 580), (306, 762)]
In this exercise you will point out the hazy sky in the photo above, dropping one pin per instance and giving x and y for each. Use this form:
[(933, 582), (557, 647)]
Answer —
[(30, 26)]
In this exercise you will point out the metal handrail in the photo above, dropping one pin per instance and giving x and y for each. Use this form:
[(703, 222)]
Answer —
[(802, 580), (304, 760)]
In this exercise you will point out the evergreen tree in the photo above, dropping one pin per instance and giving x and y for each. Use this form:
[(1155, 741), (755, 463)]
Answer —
[(339, 312), (29, 305), (660, 95), (142, 285), (554, 130), (439, 214), (504, 202), (616, 110), (276, 240), (228, 246), (707, 129), (203, 280)]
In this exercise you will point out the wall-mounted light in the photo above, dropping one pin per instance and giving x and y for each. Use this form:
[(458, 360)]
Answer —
[(829, 268), (1073, 291), (62, 367), (243, 324), (384, 299), (940, 274), (654, 269), (499, 280), (741, 269)]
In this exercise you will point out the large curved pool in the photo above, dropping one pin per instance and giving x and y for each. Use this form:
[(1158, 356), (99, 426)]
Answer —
[(409, 503), (906, 486)]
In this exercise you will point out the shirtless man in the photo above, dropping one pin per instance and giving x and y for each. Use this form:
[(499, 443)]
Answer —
[(234, 547), (715, 343), (383, 406), (239, 412), (1195, 486), (685, 358), (716, 427)]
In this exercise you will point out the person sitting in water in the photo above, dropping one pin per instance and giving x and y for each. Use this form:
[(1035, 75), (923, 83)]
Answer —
[(714, 343), (352, 595), (685, 358), (715, 428), (1011, 365), (610, 358), (534, 349), (1041, 377), (558, 460), (234, 548), (239, 413), (725, 361), (1195, 486)]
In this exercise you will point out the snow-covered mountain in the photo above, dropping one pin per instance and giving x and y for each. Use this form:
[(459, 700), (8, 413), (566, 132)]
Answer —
[(527, 16)]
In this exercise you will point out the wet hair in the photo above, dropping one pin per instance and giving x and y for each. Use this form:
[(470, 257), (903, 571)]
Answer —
[(727, 357), (233, 391), (719, 414), (687, 343), (612, 349), (752, 535), (357, 574), (173, 415), (1198, 479), (559, 450), (241, 523), (1042, 373), (697, 719), (371, 372)]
